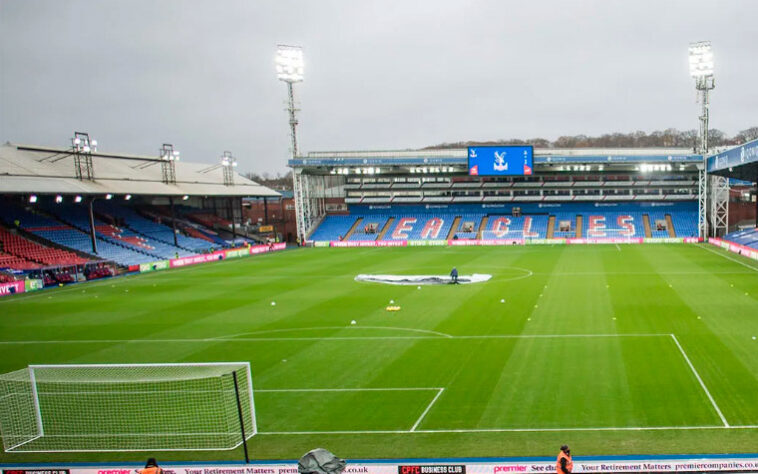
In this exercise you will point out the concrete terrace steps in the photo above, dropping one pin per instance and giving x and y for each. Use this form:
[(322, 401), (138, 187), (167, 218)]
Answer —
[(670, 225), (482, 227), (352, 228), (646, 223), (454, 227), (550, 226), (386, 228)]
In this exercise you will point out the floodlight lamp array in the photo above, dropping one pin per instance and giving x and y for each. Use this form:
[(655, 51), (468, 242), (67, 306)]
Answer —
[(289, 63), (701, 59), (228, 160), (431, 170), (170, 155), (646, 167), (83, 144)]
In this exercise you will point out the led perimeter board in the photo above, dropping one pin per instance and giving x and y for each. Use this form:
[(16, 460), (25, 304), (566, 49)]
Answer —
[(500, 160)]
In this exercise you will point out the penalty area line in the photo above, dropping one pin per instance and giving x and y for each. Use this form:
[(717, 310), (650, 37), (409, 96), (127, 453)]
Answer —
[(513, 430), (428, 407), (702, 384), (366, 389)]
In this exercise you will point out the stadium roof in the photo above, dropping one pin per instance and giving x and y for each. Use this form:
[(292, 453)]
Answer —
[(740, 162), (27, 169), (458, 156)]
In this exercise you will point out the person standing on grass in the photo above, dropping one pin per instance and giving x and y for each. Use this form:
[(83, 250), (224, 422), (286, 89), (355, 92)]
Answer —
[(454, 276), (151, 467), (564, 464)]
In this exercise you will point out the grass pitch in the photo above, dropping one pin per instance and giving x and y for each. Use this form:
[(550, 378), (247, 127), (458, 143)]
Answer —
[(612, 349)]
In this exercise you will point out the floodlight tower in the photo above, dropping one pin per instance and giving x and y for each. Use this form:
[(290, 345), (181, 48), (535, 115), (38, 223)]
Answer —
[(228, 163), (289, 69), (83, 146), (169, 157), (701, 69)]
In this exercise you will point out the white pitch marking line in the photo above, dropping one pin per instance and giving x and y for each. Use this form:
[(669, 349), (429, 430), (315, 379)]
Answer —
[(336, 338), (428, 407), (617, 247), (727, 257), (381, 389), (394, 328), (517, 430), (23, 443), (702, 384)]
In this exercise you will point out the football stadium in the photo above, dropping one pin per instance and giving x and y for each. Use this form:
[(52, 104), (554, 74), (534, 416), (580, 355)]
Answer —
[(434, 310)]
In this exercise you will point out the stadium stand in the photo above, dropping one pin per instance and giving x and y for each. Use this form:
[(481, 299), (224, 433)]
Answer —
[(163, 214), (468, 226), (369, 228), (417, 226), (614, 224), (748, 238), (69, 236), (6, 277), (18, 246), (160, 236), (334, 227), (77, 216), (509, 227), (614, 220)]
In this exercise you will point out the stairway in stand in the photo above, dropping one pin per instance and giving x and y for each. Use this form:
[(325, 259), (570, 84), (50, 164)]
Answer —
[(670, 225), (646, 223), (454, 227), (352, 228), (550, 227), (482, 227), (386, 228)]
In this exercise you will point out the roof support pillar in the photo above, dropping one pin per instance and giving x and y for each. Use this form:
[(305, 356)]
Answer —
[(265, 211), (231, 215), (173, 220), (92, 225)]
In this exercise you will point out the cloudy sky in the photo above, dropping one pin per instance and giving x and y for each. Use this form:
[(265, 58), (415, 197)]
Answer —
[(379, 74)]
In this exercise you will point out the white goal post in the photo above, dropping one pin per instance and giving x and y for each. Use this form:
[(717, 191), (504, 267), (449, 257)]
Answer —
[(127, 407)]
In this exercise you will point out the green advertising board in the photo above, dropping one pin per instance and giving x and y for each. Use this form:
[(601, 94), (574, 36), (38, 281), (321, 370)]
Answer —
[(34, 285), (154, 266)]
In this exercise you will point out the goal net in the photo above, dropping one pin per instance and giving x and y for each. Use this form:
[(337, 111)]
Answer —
[(127, 407)]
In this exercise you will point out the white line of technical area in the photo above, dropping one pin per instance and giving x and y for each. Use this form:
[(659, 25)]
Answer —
[(517, 430), (428, 407), (705, 247), (330, 338), (702, 384)]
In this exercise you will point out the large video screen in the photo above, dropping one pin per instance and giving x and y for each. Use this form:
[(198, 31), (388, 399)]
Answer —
[(500, 160)]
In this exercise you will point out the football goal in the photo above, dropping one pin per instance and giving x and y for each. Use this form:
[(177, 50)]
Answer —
[(127, 407)]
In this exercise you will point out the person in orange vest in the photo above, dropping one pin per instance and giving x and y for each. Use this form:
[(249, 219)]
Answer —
[(564, 464), (151, 467)]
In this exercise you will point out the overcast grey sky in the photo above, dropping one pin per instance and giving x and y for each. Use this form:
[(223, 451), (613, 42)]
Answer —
[(379, 74)]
